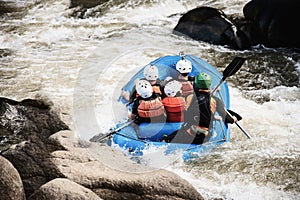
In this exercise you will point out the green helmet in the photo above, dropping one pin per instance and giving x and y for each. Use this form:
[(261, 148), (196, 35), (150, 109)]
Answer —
[(203, 81)]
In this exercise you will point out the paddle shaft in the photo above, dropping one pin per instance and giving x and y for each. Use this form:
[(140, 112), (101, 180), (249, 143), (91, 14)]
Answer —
[(236, 123), (231, 69), (248, 136), (99, 137)]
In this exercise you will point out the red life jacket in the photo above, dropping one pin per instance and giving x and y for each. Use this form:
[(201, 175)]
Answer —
[(175, 107), (151, 108)]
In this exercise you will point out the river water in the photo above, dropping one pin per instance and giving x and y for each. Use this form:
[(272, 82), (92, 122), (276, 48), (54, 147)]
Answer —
[(81, 63)]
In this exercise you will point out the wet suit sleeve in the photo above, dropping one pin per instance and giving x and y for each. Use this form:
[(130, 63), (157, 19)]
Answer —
[(133, 94), (222, 112), (135, 106)]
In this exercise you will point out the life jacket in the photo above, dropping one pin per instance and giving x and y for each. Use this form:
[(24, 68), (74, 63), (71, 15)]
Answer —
[(187, 87), (175, 107), (156, 89), (150, 108)]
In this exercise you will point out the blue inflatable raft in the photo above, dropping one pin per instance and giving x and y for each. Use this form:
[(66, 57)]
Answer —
[(137, 139)]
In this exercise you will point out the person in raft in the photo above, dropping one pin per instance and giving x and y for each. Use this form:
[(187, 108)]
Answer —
[(151, 75), (200, 114), (147, 107), (184, 67), (173, 102)]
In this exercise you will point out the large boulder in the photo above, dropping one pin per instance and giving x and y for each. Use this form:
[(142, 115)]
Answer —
[(61, 188), (112, 176), (32, 160), (27, 119), (273, 23), (211, 25), (11, 186), (24, 130), (41, 157)]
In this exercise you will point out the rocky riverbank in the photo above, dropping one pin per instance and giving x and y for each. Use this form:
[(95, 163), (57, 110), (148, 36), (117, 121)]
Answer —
[(48, 162)]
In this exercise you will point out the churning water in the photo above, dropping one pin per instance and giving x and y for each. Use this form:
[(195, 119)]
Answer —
[(82, 63)]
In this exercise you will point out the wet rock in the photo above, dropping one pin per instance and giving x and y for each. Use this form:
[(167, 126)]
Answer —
[(112, 176), (11, 186), (61, 188), (7, 7), (85, 9), (211, 25), (42, 158), (4, 52), (27, 119), (16, 7), (26, 126), (86, 4), (273, 23)]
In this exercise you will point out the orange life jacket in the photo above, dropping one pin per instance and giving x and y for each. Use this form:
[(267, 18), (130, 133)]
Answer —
[(156, 89), (150, 108), (175, 107), (187, 87)]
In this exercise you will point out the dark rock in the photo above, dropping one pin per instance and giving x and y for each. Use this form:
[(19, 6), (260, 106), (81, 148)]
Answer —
[(273, 23), (86, 4), (11, 186), (211, 25), (27, 125), (16, 8), (29, 118)]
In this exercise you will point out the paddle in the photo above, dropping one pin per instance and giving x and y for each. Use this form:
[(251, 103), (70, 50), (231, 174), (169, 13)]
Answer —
[(99, 137), (230, 70), (239, 117), (232, 113)]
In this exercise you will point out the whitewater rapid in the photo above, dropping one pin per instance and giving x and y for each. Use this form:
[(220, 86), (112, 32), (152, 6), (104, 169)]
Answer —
[(81, 65)]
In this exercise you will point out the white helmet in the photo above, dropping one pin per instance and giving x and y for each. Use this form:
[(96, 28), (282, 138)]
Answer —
[(144, 88), (184, 66), (172, 88), (151, 72)]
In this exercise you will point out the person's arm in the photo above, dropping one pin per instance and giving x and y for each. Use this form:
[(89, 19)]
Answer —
[(227, 118), (134, 109), (188, 102)]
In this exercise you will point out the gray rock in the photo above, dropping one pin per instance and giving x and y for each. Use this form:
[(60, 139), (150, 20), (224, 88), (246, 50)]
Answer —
[(11, 186), (112, 176), (61, 188), (40, 159)]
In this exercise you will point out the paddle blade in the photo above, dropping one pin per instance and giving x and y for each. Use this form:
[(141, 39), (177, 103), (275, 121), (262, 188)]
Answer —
[(235, 114), (233, 67)]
